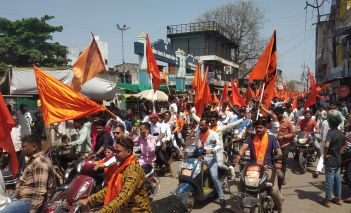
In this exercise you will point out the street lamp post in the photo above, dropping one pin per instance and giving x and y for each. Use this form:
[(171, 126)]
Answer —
[(122, 29)]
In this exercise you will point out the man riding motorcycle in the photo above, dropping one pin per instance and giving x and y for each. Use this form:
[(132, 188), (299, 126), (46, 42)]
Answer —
[(262, 148), (125, 192), (307, 124), (208, 139)]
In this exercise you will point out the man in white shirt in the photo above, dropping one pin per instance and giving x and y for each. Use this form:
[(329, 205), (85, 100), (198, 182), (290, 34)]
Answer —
[(16, 140), (173, 108), (24, 120)]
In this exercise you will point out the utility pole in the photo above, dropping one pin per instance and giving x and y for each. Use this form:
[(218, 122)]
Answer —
[(316, 6), (122, 29)]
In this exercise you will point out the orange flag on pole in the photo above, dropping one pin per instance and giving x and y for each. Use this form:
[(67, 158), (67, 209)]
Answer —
[(200, 99), (261, 68), (311, 98), (197, 77), (207, 94), (152, 67), (224, 93), (249, 95), (269, 91), (6, 125), (236, 98), (215, 99), (60, 102), (165, 75), (88, 65)]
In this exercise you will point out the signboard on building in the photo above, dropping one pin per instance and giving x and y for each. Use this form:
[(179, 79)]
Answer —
[(164, 52)]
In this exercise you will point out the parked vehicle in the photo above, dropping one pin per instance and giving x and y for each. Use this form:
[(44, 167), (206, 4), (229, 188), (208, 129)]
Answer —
[(195, 183)]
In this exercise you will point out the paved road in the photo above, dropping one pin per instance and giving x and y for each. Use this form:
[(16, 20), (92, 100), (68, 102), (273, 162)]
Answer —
[(301, 195)]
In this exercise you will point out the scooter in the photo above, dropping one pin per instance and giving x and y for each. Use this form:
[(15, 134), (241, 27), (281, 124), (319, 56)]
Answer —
[(195, 183)]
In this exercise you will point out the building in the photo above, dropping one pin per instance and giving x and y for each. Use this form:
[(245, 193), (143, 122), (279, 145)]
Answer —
[(333, 50), (126, 73), (210, 44)]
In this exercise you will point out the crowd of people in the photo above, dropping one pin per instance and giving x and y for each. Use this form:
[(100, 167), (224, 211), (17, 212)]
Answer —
[(162, 135)]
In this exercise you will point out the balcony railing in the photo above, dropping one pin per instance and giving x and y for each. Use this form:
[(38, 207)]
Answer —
[(210, 26)]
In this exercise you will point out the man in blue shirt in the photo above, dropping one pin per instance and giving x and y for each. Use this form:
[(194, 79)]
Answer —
[(263, 147)]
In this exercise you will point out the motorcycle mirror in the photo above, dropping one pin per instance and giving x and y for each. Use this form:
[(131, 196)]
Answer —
[(269, 184), (237, 179)]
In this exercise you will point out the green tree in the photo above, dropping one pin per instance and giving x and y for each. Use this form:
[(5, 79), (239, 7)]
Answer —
[(26, 41), (243, 19)]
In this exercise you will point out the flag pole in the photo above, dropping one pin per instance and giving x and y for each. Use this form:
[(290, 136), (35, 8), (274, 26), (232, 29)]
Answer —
[(258, 111), (153, 93)]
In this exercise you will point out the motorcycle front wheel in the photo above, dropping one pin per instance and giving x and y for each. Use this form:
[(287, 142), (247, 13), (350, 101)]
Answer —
[(302, 163)]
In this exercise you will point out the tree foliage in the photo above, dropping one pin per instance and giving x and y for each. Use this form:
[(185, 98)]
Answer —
[(243, 19), (26, 41)]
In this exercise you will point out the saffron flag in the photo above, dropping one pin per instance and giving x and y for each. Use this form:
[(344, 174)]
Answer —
[(207, 94), (60, 102), (269, 90), (224, 93), (215, 99), (249, 95), (311, 98), (236, 98), (262, 67), (152, 67), (88, 65), (197, 77), (200, 99), (165, 75), (6, 125)]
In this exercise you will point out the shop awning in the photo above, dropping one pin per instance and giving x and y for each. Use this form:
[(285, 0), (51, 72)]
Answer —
[(141, 87)]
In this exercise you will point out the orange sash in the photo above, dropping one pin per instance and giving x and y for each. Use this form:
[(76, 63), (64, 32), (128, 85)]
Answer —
[(260, 146), (114, 186), (204, 137), (214, 128)]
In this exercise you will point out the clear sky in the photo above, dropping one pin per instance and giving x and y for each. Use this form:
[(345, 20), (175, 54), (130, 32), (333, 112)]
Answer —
[(295, 42)]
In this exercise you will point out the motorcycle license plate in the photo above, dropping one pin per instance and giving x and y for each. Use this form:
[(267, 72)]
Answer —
[(253, 174), (186, 172)]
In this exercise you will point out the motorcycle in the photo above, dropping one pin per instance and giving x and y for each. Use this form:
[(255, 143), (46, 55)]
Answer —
[(87, 182), (346, 164), (305, 150), (195, 183), (256, 189)]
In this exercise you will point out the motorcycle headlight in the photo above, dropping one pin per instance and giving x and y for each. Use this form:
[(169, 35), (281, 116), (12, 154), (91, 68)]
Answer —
[(80, 166), (81, 190), (302, 141), (252, 178)]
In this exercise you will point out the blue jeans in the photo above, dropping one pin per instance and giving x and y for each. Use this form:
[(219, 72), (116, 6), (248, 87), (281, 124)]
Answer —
[(213, 166), (333, 182), (17, 206)]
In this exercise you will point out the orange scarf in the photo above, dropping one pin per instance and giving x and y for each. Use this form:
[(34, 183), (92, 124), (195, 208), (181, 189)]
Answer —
[(214, 128), (114, 186), (260, 146), (204, 137)]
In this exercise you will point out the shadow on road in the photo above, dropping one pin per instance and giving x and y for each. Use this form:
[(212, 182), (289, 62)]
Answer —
[(314, 196)]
